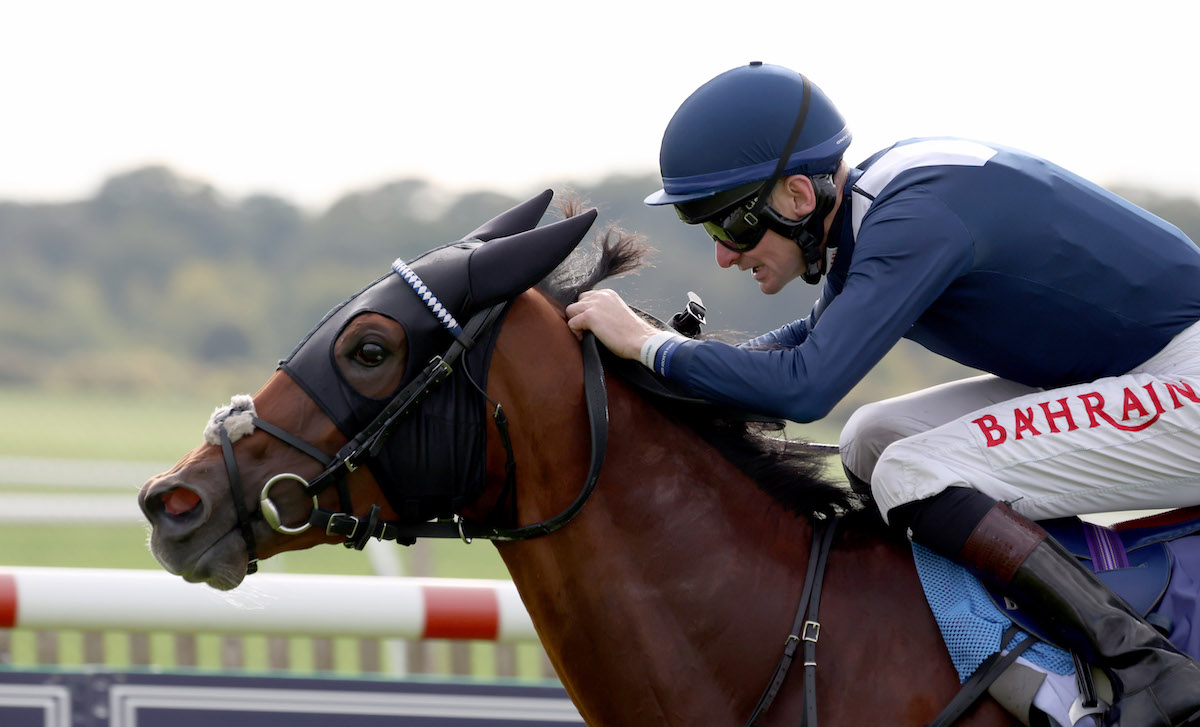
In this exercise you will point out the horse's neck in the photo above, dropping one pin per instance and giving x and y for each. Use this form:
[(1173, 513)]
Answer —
[(652, 583), (668, 598)]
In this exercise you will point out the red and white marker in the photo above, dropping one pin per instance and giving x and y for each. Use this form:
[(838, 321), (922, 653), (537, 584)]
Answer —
[(268, 603)]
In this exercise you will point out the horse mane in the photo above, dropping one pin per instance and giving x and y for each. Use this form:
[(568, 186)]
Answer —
[(792, 472)]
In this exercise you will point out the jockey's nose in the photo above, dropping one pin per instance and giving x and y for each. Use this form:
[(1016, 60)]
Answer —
[(725, 256)]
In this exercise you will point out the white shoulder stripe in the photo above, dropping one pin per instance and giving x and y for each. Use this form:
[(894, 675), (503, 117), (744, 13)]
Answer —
[(932, 153)]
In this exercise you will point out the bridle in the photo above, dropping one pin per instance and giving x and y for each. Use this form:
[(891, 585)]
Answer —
[(357, 531)]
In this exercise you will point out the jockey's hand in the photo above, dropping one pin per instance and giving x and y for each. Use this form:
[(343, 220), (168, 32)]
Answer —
[(616, 325)]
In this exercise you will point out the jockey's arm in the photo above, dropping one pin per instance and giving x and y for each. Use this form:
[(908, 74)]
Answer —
[(892, 281)]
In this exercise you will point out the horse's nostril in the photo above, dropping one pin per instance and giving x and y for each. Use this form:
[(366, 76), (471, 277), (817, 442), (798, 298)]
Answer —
[(174, 501), (179, 501)]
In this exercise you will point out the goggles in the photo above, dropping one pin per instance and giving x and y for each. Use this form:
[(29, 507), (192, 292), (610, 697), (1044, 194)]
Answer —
[(730, 217), (742, 226), (739, 230)]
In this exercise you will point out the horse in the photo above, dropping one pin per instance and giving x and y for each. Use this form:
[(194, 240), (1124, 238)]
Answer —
[(662, 584)]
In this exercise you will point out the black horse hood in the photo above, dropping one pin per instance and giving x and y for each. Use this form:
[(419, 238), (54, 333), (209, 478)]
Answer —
[(433, 462)]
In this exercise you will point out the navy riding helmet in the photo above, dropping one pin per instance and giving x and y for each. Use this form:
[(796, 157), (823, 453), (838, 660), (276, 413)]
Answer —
[(733, 138)]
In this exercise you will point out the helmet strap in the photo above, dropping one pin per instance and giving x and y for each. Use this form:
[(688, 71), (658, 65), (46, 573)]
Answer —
[(764, 192), (808, 231)]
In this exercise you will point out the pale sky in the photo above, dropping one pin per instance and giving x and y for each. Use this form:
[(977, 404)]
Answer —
[(310, 100)]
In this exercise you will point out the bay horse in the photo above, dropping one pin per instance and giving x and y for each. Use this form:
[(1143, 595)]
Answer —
[(666, 600)]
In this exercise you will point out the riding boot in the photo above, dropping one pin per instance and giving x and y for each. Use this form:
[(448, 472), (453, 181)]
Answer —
[(1154, 684)]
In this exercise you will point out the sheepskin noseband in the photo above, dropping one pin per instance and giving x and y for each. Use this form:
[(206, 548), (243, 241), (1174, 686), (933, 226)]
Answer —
[(237, 417)]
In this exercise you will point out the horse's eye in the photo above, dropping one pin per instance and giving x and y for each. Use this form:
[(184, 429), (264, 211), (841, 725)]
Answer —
[(370, 354)]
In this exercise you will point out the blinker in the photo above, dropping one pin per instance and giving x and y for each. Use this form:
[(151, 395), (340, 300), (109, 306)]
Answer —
[(543, 249), (447, 429), (427, 297)]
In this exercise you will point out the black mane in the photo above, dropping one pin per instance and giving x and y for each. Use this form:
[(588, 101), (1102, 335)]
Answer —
[(792, 472)]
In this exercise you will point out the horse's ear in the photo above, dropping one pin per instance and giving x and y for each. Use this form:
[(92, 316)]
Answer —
[(521, 218), (508, 266)]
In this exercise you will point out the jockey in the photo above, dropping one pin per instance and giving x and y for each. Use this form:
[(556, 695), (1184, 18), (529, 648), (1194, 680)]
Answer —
[(1081, 307)]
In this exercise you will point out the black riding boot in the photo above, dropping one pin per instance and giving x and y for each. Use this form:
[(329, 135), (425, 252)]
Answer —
[(1155, 685)]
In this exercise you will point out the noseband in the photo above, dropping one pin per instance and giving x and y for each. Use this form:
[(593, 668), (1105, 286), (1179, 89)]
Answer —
[(356, 530)]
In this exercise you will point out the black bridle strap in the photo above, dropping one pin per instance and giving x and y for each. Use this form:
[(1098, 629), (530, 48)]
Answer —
[(805, 628), (596, 395), (239, 501), (297, 442)]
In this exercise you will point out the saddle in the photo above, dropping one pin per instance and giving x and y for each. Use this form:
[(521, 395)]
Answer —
[(1152, 563), (1131, 558)]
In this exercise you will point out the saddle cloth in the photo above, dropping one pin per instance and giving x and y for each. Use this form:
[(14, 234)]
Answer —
[(1152, 563)]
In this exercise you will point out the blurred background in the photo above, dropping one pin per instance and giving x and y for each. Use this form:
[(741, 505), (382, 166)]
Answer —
[(185, 188)]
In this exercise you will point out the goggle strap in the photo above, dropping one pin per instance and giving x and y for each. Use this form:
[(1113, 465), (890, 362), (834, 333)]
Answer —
[(801, 117)]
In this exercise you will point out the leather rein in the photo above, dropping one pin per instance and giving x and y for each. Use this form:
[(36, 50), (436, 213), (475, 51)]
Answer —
[(358, 531)]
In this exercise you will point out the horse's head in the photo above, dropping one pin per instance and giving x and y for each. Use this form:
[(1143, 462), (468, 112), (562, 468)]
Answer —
[(341, 415)]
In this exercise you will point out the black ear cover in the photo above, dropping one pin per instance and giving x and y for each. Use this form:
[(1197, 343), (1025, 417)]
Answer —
[(508, 266), (522, 218)]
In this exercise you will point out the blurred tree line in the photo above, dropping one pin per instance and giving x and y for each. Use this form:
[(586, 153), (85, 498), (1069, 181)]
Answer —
[(161, 283)]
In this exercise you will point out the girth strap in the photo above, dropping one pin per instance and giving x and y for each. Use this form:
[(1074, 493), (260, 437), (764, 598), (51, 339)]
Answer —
[(987, 673), (805, 627)]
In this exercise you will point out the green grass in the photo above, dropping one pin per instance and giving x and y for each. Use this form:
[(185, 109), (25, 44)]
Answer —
[(78, 546), (100, 425)]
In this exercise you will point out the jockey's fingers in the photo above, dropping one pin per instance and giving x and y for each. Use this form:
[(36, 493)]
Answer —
[(577, 317), (576, 309), (604, 294)]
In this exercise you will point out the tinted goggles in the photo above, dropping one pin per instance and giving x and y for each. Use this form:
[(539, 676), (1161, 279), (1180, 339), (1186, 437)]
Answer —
[(740, 230), (732, 217)]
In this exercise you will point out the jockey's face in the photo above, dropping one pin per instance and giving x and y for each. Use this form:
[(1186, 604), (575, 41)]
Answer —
[(774, 262)]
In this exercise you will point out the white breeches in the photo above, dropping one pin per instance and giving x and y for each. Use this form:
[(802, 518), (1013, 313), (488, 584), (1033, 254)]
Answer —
[(1120, 443)]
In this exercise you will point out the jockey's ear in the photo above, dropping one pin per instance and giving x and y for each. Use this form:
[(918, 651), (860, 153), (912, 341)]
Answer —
[(522, 218), (508, 266)]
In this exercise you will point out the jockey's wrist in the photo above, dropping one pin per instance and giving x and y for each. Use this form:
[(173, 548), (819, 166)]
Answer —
[(653, 344)]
